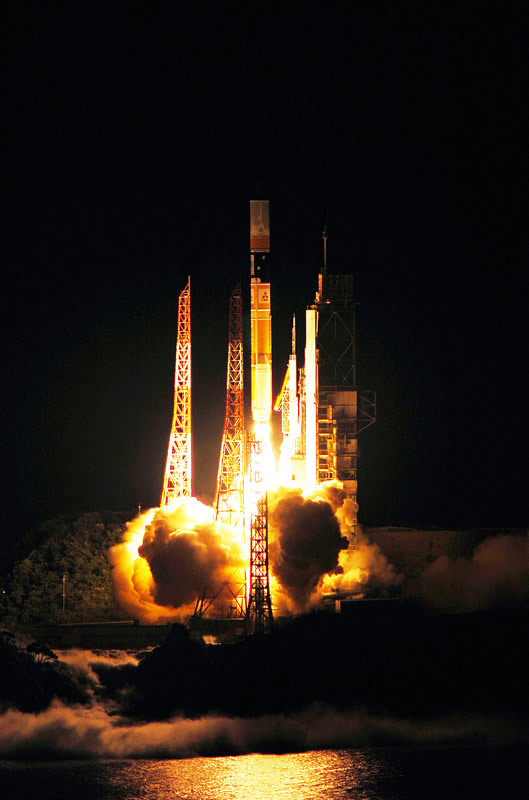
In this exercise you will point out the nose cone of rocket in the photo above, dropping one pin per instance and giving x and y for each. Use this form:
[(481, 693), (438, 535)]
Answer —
[(259, 226)]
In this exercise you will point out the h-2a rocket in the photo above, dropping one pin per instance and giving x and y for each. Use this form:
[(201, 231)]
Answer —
[(260, 315)]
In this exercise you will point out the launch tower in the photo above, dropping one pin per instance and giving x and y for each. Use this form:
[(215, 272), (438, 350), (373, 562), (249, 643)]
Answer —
[(177, 476), (229, 496), (341, 411), (324, 413), (259, 608)]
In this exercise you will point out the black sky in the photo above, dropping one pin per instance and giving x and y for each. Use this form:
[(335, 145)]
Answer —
[(137, 134)]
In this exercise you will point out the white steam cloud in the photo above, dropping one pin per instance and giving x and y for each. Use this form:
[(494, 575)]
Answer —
[(82, 662), (496, 576), (62, 732)]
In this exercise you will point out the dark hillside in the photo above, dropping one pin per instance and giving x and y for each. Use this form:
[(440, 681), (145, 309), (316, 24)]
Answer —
[(407, 662), (64, 558)]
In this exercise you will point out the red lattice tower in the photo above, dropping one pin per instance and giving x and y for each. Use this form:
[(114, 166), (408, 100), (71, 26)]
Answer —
[(177, 477), (229, 496)]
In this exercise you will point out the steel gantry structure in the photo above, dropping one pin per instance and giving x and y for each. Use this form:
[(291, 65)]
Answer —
[(229, 495), (342, 411), (177, 476), (259, 618)]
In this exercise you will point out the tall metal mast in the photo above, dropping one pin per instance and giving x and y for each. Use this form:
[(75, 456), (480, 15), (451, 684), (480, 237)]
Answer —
[(229, 496), (177, 477)]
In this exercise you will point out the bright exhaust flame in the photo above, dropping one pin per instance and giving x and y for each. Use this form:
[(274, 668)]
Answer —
[(170, 555), (264, 476)]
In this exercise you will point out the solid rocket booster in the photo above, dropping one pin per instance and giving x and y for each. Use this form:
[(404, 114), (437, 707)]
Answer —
[(261, 318), (293, 412), (311, 399)]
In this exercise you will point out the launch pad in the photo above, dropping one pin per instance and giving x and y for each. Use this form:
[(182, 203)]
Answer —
[(322, 414)]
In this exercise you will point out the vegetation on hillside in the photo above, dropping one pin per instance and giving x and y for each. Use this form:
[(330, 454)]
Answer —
[(62, 573)]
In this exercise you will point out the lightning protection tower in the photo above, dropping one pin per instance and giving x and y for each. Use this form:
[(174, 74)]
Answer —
[(177, 477), (229, 496)]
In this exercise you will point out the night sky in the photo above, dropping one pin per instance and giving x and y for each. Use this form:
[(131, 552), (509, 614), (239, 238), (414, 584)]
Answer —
[(137, 134)]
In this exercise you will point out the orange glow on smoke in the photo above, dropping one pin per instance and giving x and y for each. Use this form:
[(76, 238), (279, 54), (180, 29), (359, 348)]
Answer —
[(131, 577), (187, 551), (170, 555)]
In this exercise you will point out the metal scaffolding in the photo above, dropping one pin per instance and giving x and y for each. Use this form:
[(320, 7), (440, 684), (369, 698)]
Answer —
[(177, 476), (342, 411), (229, 495), (259, 617), (234, 600)]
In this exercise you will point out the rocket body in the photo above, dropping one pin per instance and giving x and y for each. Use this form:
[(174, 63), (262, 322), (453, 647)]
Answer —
[(260, 314)]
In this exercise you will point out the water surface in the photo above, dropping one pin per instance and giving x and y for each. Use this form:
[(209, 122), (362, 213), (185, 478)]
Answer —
[(407, 773)]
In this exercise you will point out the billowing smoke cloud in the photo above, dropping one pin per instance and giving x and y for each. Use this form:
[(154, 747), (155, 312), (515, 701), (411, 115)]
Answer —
[(169, 556), (199, 557), (62, 732), (132, 581), (311, 551), (496, 576), (305, 541), (363, 566), (82, 662)]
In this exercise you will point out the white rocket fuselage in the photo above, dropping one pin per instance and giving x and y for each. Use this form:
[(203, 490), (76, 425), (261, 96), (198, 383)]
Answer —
[(293, 410), (311, 398)]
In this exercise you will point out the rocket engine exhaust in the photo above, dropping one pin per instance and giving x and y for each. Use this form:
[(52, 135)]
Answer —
[(171, 555)]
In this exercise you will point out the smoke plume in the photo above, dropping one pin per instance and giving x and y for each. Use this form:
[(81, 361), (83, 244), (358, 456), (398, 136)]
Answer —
[(496, 576), (82, 662), (62, 732), (305, 541), (169, 556), (313, 551), (202, 556)]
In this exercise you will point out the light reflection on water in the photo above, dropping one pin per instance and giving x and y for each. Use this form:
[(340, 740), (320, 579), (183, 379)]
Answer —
[(333, 775), (325, 775), (369, 774)]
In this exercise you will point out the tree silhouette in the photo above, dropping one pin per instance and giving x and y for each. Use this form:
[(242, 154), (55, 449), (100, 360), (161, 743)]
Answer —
[(41, 652)]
